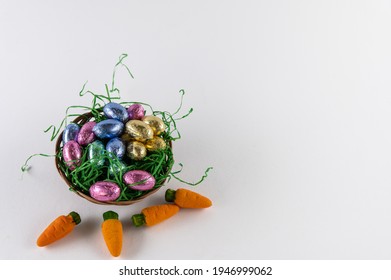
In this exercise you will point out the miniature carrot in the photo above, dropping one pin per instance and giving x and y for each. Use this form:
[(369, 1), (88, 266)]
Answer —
[(59, 228), (112, 232), (154, 214), (187, 199)]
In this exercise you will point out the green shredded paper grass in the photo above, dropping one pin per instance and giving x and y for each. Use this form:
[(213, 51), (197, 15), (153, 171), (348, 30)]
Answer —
[(158, 163)]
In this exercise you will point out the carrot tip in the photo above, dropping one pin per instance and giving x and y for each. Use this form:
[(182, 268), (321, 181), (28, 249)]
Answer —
[(138, 220), (170, 195)]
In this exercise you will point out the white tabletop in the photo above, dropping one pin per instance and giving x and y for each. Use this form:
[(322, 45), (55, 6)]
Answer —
[(291, 108)]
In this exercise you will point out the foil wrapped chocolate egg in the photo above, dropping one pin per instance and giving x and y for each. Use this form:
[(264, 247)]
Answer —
[(139, 180), (136, 112), (136, 150), (139, 130), (95, 152), (86, 136), (70, 132), (126, 138), (156, 143), (105, 191), (116, 168), (116, 146), (116, 111), (155, 123), (107, 129), (72, 153)]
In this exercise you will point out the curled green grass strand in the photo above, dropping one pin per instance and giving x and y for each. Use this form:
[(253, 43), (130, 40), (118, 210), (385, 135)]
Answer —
[(25, 167), (196, 183)]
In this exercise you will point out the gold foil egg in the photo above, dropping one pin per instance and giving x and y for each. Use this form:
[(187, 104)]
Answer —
[(155, 123), (154, 144), (126, 138), (136, 150), (139, 130)]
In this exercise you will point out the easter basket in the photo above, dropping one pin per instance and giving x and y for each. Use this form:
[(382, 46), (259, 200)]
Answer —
[(106, 177), (165, 159)]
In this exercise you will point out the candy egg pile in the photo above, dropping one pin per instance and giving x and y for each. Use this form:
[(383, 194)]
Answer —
[(114, 148)]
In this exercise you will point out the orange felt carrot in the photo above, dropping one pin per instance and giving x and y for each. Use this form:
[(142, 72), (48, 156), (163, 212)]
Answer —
[(154, 214), (112, 232), (59, 228), (187, 199)]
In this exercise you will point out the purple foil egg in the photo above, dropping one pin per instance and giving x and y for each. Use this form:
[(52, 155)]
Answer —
[(139, 180), (71, 132), (136, 112), (105, 191), (86, 136), (72, 152)]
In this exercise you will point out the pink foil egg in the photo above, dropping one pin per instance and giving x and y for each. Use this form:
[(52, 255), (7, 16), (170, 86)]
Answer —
[(136, 112), (139, 180), (105, 191), (86, 136), (72, 152)]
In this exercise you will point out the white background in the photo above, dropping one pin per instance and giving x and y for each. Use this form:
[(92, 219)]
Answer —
[(291, 107)]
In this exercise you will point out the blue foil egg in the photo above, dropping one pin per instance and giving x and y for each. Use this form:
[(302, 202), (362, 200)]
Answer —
[(95, 152), (107, 129), (117, 147), (116, 111), (71, 132)]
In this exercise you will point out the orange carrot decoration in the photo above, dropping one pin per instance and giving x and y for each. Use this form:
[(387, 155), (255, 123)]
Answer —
[(59, 228), (187, 199), (112, 232), (154, 214)]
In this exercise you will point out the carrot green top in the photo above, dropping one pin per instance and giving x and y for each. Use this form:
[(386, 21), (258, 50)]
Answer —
[(138, 220), (110, 215), (170, 195), (75, 216)]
